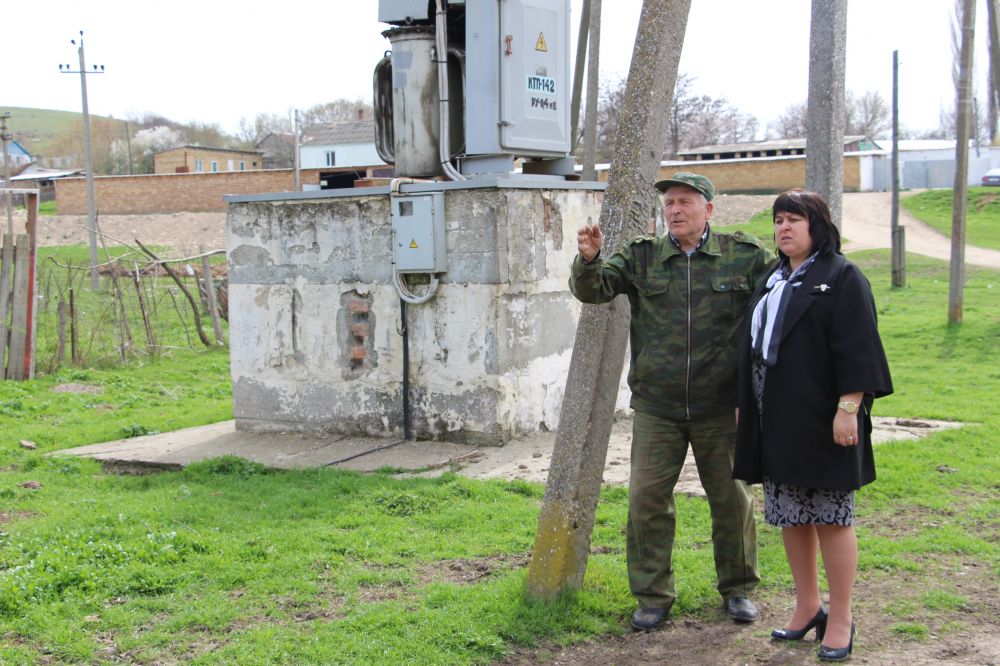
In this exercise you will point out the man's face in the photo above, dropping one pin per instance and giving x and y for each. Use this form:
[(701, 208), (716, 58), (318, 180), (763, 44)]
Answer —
[(686, 212)]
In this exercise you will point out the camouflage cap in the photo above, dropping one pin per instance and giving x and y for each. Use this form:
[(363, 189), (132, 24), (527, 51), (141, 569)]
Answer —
[(693, 180)]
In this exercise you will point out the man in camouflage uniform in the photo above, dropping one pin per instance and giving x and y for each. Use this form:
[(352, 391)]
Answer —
[(688, 290)]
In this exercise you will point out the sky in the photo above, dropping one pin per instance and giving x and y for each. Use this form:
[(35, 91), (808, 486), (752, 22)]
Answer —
[(217, 61)]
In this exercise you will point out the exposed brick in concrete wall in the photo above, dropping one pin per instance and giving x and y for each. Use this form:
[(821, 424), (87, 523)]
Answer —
[(171, 193), (772, 174)]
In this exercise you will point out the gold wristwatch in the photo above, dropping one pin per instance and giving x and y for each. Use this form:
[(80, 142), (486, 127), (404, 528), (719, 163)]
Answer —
[(848, 406)]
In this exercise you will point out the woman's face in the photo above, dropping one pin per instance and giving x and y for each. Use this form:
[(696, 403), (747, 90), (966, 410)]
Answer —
[(791, 235)]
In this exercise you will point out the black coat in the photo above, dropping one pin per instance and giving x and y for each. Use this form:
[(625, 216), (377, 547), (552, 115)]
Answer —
[(829, 347)]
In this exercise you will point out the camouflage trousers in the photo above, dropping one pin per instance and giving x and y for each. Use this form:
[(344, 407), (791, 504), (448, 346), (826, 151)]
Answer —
[(658, 449)]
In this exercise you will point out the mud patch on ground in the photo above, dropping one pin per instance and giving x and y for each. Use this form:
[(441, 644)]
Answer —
[(11, 516), (77, 388), (939, 616), (469, 571)]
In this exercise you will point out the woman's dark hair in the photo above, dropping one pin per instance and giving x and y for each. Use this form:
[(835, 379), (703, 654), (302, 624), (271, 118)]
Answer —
[(825, 235)]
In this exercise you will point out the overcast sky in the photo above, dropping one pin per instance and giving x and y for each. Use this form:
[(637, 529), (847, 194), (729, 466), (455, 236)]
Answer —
[(215, 61)]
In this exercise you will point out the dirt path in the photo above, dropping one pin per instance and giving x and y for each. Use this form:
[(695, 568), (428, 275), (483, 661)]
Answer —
[(183, 232), (867, 218), (866, 221)]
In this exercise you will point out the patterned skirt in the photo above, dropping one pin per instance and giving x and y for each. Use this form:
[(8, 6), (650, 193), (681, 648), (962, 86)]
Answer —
[(786, 505)]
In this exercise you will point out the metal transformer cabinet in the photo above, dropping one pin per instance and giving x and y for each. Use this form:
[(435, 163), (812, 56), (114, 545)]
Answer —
[(515, 80)]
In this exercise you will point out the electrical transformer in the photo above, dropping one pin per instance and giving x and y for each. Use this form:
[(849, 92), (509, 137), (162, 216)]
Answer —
[(507, 96)]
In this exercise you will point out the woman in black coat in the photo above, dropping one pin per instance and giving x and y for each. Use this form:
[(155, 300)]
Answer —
[(811, 364)]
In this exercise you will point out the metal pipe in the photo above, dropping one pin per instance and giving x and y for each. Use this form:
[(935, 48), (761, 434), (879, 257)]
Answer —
[(441, 46), (407, 430)]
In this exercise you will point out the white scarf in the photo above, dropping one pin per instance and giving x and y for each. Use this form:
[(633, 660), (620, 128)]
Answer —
[(769, 313)]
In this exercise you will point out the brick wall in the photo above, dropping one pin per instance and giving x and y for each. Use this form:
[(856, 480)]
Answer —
[(173, 192), (761, 174)]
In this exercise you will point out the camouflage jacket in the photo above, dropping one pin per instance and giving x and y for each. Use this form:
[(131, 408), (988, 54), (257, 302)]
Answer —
[(686, 314)]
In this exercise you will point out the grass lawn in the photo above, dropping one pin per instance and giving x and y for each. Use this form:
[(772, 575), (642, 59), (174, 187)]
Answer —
[(226, 562), (982, 224), (760, 225)]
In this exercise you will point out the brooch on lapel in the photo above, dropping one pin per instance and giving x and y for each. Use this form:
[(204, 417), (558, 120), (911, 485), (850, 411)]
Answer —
[(823, 287)]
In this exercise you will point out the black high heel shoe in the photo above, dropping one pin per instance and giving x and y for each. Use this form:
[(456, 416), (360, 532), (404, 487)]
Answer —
[(818, 621), (836, 654)]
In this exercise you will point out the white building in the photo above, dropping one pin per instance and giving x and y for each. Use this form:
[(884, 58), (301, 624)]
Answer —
[(345, 144)]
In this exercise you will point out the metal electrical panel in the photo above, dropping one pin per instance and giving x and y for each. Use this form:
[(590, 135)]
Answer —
[(418, 233), (534, 75), (518, 99)]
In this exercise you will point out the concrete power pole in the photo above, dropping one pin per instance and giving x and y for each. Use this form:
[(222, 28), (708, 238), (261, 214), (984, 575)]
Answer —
[(566, 521), (581, 59), (897, 238), (959, 203), (593, 71), (825, 113), (88, 159)]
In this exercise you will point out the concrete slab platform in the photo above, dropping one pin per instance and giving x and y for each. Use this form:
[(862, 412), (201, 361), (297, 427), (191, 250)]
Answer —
[(526, 458), (280, 450)]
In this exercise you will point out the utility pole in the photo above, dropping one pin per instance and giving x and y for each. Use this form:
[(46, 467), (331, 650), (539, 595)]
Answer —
[(6, 136), (898, 237), (128, 146), (566, 519), (88, 158), (581, 60), (825, 111), (593, 70), (959, 203)]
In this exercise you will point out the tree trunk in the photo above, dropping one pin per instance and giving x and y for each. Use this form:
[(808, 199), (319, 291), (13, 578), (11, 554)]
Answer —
[(559, 558), (959, 203)]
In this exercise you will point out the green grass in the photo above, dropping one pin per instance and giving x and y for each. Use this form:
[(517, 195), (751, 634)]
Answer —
[(760, 225), (227, 562), (983, 218)]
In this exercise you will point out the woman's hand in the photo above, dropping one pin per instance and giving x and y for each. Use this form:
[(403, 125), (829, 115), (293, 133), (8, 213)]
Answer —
[(845, 426), (589, 240)]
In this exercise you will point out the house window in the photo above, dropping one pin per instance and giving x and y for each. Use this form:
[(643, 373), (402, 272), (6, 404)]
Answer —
[(331, 158), (215, 166), (229, 165), (243, 165), (199, 165)]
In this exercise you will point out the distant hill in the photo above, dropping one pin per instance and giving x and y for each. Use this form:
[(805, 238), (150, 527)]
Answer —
[(39, 130)]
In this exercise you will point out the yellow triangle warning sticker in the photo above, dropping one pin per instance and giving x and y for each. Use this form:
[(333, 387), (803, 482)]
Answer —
[(540, 44), (413, 244)]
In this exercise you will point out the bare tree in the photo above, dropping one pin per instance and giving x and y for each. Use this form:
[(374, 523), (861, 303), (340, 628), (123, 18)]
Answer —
[(791, 124), (337, 111), (868, 114), (695, 120), (254, 131), (713, 120), (609, 109), (682, 113)]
